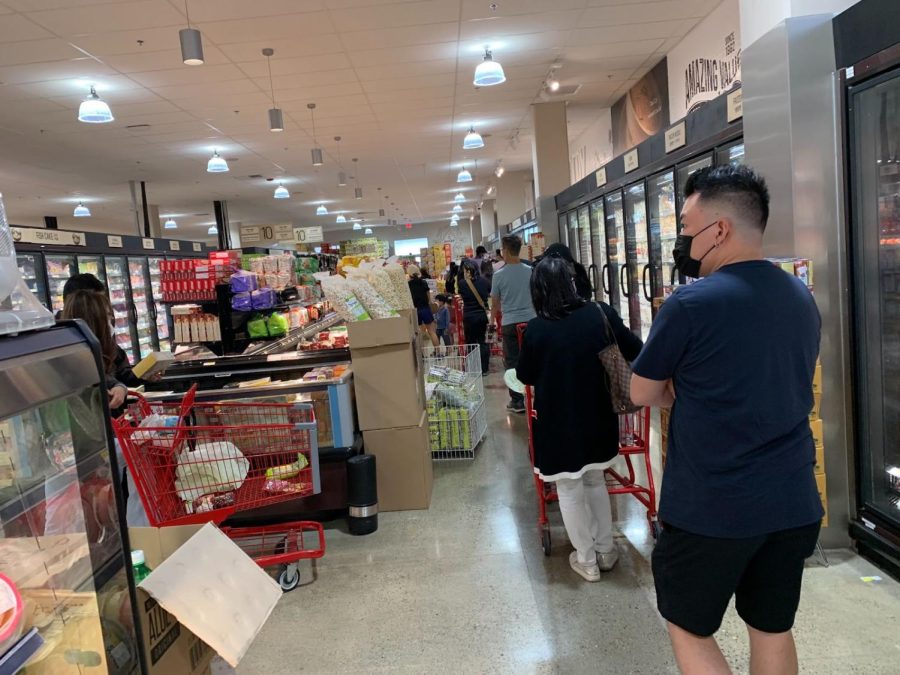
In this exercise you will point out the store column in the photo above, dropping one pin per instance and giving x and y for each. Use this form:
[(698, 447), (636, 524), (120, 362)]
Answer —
[(488, 219), (513, 189), (550, 160)]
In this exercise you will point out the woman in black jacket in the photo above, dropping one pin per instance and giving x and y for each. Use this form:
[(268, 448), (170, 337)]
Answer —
[(576, 433), (475, 291), (452, 274)]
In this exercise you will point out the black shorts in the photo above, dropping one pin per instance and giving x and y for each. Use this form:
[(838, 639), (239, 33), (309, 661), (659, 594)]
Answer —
[(696, 577)]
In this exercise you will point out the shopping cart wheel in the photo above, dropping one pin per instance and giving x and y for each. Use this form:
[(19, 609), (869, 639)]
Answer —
[(545, 541), (289, 577)]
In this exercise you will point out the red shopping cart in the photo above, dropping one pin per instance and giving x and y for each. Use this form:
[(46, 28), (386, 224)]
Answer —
[(634, 442), (202, 462)]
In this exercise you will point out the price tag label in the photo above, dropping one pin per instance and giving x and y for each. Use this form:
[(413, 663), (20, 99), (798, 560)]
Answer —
[(148, 244), (735, 105), (600, 175), (676, 137), (631, 161), (114, 242), (174, 245)]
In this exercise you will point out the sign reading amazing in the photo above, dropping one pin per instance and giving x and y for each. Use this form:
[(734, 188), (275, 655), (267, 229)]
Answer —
[(712, 76)]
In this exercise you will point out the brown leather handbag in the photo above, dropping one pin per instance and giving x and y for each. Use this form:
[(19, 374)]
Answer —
[(618, 373)]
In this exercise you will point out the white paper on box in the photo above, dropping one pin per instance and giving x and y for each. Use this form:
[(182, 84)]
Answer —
[(215, 591)]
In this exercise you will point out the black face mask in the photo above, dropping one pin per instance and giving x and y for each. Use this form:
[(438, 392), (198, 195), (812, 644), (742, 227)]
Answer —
[(681, 252)]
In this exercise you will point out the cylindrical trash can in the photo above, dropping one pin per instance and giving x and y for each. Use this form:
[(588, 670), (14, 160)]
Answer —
[(362, 494)]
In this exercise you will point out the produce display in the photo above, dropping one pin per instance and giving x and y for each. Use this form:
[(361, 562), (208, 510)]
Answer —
[(375, 305), (401, 287), (341, 296)]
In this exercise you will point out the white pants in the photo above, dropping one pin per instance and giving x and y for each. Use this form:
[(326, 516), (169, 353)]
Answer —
[(587, 514)]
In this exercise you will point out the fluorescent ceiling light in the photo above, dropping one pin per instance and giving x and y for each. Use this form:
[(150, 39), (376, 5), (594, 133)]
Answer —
[(281, 192), (460, 197), (489, 72), (457, 208), (94, 111), (473, 140), (499, 171), (212, 230), (368, 230), (216, 164), (170, 225), (81, 211), (321, 211), (464, 176), (341, 218), (357, 227)]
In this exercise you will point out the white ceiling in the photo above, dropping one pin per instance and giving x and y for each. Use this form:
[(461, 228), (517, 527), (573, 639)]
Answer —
[(393, 78)]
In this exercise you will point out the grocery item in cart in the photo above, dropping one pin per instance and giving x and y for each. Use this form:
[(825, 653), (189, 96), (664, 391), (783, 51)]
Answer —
[(211, 468), (286, 471)]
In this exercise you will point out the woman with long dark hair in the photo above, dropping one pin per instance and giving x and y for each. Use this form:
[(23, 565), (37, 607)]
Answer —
[(452, 274), (475, 291), (576, 433), (582, 281)]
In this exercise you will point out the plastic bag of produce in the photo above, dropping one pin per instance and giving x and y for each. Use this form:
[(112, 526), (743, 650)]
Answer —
[(211, 468), (382, 283), (257, 327), (241, 302), (342, 298), (401, 287), (263, 298), (278, 325), (243, 282), (375, 305)]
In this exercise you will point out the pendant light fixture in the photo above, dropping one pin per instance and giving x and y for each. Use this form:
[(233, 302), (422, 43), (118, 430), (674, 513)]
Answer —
[(381, 213), (321, 211), (93, 110), (191, 42), (499, 170), (454, 223), (281, 192), (276, 117), (489, 72), (357, 227), (455, 217), (81, 211), (457, 208), (213, 229), (342, 175), (473, 140), (464, 176), (316, 152), (170, 224), (216, 164), (357, 192), (368, 230), (460, 197), (341, 218)]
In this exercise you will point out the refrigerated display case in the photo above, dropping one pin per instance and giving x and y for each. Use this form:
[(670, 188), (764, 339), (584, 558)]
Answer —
[(117, 276), (731, 154), (92, 264), (159, 311), (874, 154), (584, 237), (599, 269), (564, 228), (59, 269), (144, 325), (64, 543), (663, 230), (615, 237), (573, 234), (638, 260), (30, 267)]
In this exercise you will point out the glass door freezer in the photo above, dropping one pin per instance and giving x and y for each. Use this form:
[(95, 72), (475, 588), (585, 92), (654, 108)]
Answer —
[(92, 264), (599, 269), (31, 267), (584, 237), (637, 249), (59, 269), (159, 311), (117, 275), (663, 230), (619, 289), (141, 302)]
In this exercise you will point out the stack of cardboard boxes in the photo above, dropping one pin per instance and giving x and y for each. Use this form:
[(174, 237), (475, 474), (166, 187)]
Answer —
[(815, 425), (390, 404)]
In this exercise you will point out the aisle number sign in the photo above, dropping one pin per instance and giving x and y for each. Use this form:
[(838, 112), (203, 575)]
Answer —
[(262, 234), (308, 235)]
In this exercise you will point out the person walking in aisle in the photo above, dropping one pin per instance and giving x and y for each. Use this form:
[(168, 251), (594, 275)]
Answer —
[(475, 291), (576, 432), (421, 297), (442, 318), (511, 295), (735, 353)]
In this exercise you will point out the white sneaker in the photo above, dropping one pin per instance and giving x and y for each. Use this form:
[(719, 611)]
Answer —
[(588, 572), (606, 561)]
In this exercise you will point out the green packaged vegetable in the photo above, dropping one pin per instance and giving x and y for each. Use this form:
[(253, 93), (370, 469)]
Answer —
[(257, 328), (278, 325)]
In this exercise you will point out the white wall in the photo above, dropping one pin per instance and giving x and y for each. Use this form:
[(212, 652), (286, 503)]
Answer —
[(592, 148), (436, 232), (758, 17)]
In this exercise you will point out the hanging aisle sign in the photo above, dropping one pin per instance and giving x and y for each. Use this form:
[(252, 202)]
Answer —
[(266, 234), (55, 237), (707, 62), (308, 235)]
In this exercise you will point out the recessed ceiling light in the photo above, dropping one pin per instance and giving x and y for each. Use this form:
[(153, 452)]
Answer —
[(457, 208), (473, 140), (212, 230), (81, 211), (322, 210), (170, 224), (94, 111), (281, 192), (216, 164), (341, 218), (357, 227), (368, 230), (489, 72), (460, 197), (464, 176)]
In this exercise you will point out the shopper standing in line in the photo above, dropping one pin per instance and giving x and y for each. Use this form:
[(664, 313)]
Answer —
[(576, 433), (421, 297), (498, 263), (450, 279), (442, 318), (582, 281), (485, 266), (735, 352), (475, 292), (511, 296)]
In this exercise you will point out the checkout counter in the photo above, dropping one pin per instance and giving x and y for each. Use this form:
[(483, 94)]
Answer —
[(281, 371)]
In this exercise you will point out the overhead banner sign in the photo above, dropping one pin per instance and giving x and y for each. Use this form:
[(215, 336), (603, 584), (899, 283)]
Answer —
[(266, 234), (643, 111), (308, 235), (707, 62), (52, 237)]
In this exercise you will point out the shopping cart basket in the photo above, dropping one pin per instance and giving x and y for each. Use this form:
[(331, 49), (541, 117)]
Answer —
[(634, 439), (202, 462)]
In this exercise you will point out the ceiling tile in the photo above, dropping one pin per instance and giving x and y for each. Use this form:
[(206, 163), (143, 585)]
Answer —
[(143, 61), (404, 55), (292, 66), (36, 51), (16, 28), (486, 31), (84, 69), (395, 15), (187, 75), (310, 45), (284, 27), (93, 19), (641, 12), (219, 10), (399, 72), (403, 36)]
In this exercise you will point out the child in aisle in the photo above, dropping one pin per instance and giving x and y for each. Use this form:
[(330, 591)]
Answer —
[(443, 319)]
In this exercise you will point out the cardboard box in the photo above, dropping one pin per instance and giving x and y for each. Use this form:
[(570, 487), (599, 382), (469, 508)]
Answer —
[(390, 391), (404, 467), (380, 332), (816, 427), (154, 362), (820, 460), (817, 379), (817, 407), (204, 596), (822, 487)]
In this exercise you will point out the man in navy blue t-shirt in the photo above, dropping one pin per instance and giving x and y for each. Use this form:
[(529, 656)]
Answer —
[(734, 355)]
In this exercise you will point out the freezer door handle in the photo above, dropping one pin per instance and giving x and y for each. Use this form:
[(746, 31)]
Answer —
[(644, 282), (672, 276), (134, 314), (622, 284), (592, 273), (604, 277)]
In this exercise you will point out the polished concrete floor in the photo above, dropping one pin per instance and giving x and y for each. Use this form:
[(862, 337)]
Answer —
[(465, 588)]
